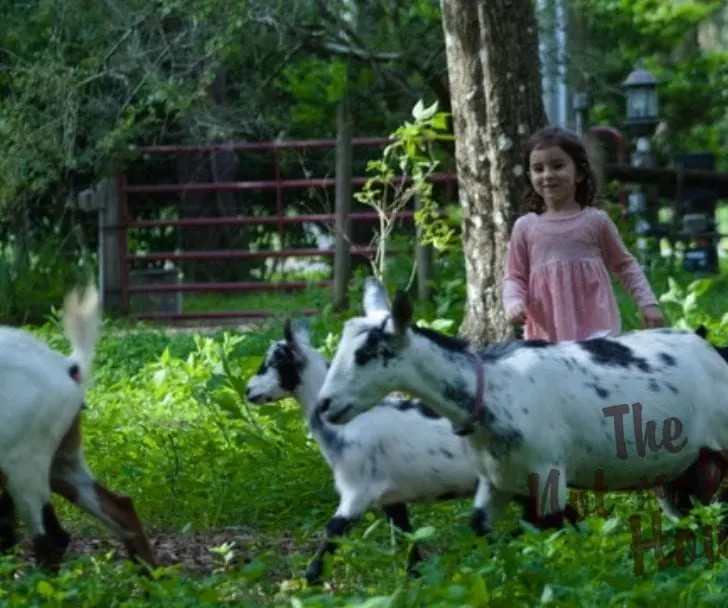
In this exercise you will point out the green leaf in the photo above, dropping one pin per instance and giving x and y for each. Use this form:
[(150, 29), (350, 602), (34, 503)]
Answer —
[(45, 588), (228, 403)]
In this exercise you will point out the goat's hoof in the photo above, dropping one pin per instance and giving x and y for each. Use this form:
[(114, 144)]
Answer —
[(414, 572), (8, 541), (479, 523), (313, 574), (573, 516), (413, 565)]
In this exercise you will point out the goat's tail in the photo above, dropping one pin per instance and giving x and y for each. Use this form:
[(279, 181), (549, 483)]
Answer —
[(81, 321)]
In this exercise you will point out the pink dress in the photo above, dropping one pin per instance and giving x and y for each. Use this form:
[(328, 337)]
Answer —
[(558, 269)]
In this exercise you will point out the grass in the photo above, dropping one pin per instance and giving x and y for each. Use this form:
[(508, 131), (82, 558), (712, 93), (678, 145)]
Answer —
[(235, 497)]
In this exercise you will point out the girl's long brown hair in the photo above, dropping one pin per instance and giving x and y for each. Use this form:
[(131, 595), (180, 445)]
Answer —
[(586, 189)]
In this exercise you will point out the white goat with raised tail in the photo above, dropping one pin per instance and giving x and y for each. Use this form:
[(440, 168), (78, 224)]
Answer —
[(40, 438), (645, 409), (396, 453)]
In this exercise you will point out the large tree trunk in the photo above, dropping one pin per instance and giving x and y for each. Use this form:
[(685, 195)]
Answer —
[(495, 87)]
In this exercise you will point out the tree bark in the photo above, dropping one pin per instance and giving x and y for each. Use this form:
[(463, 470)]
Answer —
[(497, 102)]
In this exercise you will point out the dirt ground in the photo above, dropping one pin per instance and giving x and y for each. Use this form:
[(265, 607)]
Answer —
[(188, 550)]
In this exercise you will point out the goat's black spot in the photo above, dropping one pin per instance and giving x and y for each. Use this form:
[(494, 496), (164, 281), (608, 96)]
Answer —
[(409, 404), (74, 371), (374, 347), (333, 442), (588, 449), (488, 417), (504, 441), (288, 366), (525, 410), (671, 388), (447, 453), (653, 386), (457, 393), (610, 352), (601, 392), (667, 359), (537, 343)]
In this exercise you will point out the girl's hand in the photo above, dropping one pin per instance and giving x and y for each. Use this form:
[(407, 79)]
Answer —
[(517, 316), (652, 317)]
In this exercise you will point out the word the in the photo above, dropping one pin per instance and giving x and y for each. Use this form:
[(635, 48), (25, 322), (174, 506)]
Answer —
[(644, 437)]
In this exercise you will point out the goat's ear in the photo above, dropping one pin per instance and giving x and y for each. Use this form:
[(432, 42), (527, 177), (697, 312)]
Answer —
[(402, 312), (295, 334), (375, 297), (288, 332)]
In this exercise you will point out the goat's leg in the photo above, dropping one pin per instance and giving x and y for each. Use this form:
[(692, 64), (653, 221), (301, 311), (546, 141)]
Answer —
[(8, 537), (399, 516), (348, 513), (488, 506), (30, 495), (701, 480), (75, 483), (72, 479)]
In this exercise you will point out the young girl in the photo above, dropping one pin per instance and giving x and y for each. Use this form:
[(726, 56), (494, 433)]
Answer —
[(558, 260)]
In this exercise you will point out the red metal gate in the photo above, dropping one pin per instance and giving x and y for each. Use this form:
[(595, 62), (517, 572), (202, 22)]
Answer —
[(125, 223), (279, 219)]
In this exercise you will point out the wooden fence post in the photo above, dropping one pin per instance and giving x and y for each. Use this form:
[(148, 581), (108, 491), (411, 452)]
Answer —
[(342, 256), (423, 255), (109, 254)]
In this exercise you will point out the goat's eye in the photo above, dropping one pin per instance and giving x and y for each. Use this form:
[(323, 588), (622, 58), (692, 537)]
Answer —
[(367, 351)]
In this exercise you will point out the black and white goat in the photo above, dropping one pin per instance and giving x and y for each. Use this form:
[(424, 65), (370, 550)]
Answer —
[(645, 409), (40, 438), (396, 453)]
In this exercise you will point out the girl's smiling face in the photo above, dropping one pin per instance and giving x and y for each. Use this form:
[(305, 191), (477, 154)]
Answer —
[(553, 176)]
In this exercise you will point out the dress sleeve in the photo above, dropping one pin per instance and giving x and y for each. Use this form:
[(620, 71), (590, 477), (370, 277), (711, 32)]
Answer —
[(623, 264), (515, 280)]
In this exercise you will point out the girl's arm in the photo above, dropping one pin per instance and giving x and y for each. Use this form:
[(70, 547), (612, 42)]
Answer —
[(623, 264), (515, 280)]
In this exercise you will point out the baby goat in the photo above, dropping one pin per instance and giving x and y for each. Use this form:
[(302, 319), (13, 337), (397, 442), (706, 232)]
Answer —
[(398, 452), (40, 438)]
